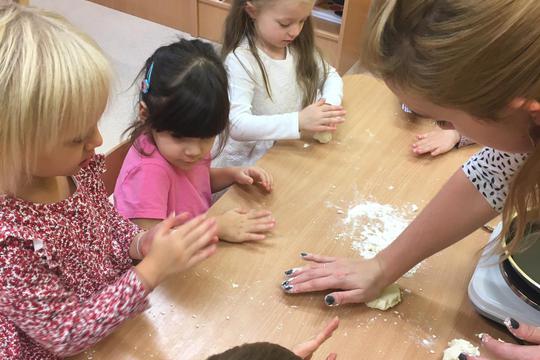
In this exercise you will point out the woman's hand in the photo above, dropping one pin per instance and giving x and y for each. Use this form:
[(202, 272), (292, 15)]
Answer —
[(507, 351), (361, 280), (306, 349)]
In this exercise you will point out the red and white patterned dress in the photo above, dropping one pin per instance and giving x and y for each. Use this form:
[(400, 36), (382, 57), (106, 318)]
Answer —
[(66, 278)]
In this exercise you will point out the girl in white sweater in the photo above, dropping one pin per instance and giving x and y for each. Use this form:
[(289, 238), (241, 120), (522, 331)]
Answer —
[(280, 84)]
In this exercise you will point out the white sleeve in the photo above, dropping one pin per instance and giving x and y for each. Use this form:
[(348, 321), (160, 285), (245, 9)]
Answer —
[(332, 89), (244, 125)]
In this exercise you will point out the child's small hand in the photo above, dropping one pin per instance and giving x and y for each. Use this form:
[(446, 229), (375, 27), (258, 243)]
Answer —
[(306, 349), (253, 175), (436, 142), (176, 249), (145, 242), (238, 225), (320, 116)]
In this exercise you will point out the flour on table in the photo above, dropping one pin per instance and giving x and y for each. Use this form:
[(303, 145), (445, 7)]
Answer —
[(374, 226), (458, 346)]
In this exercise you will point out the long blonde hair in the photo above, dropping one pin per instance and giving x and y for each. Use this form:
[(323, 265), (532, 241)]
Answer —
[(239, 25), (475, 56), (54, 81)]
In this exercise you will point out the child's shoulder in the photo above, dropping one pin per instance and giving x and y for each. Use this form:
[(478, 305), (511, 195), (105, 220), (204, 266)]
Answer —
[(241, 55)]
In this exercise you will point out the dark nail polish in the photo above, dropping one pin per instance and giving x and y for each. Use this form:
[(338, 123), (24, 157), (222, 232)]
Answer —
[(285, 283), (289, 272), (514, 324), (287, 287), (330, 300), (302, 254), (462, 356)]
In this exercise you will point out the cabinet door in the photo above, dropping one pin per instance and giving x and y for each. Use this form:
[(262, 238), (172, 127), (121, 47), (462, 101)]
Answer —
[(212, 15), (178, 14)]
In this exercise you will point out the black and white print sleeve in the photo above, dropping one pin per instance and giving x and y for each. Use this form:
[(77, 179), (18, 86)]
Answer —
[(492, 171)]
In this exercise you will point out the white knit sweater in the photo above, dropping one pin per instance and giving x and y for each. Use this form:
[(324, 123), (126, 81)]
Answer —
[(256, 119)]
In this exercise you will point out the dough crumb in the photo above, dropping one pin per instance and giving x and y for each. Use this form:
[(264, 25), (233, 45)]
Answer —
[(390, 297), (323, 137)]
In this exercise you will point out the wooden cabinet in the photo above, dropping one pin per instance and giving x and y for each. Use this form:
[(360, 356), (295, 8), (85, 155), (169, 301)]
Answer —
[(340, 42)]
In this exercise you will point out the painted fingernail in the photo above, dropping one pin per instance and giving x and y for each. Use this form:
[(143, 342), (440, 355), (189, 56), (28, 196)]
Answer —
[(302, 254), (511, 323), (330, 300), (288, 288), (462, 356), (291, 271), (285, 283)]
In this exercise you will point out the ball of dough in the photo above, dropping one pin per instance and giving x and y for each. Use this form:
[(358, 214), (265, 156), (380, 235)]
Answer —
[(390, 297), (323, 137), (458, 346)]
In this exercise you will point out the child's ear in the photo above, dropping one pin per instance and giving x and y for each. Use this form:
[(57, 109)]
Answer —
[(143, 111), (532, 106), (251, 10)]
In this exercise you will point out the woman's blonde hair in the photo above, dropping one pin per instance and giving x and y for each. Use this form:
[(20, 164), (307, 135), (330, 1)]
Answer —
[(475, 56), (54, 82), (239, 25)]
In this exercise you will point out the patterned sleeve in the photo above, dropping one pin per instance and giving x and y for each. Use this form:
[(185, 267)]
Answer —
[(34, 299), (123, 230), (492, 171)]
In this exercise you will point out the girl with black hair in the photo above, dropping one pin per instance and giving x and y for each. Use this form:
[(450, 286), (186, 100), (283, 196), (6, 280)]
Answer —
[(183, 106)]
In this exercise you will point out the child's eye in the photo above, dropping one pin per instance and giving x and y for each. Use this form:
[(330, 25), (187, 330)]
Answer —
[(78, 140), (283, 25)]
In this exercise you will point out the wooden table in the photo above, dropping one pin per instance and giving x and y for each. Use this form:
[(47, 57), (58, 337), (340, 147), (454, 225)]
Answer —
[(235, 297)]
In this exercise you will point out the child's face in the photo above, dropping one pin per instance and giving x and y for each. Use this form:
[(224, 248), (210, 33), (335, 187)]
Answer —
[(182, 153), (511, 133), (69, 155), (279, 23)]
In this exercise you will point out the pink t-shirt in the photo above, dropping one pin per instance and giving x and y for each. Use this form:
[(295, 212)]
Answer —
[(149, 187)]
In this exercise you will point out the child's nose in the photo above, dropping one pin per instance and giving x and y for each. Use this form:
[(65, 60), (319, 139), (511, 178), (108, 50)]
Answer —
[(295, 30), (193, 151), (95, 140)]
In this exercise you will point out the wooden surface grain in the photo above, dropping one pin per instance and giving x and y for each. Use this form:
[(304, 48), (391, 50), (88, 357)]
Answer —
[(235, 297)]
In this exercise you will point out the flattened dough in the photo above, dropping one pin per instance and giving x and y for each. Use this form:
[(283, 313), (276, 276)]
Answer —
[(390, 297), (458, 346), (323, 137)]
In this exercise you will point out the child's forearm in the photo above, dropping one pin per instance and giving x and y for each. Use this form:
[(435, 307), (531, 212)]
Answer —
[(221, 178), (456, 211)]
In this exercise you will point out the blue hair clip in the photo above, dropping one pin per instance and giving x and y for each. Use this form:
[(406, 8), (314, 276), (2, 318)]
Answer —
[(145, 87)]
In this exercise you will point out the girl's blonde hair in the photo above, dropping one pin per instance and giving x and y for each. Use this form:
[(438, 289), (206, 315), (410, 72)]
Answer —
[(475, 56), (54, 84), (239, 25)]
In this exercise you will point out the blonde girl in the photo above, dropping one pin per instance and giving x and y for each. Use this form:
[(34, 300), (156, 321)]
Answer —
[(475, 65), (66, 273), (280, 85)]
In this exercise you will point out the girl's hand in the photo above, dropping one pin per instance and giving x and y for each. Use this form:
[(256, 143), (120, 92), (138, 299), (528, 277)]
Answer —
[(143, 245), (436, 142), (320, 116), (361, 280), (177, 248), (306, 349), (238, 225), (506, 351), (253, 175)]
